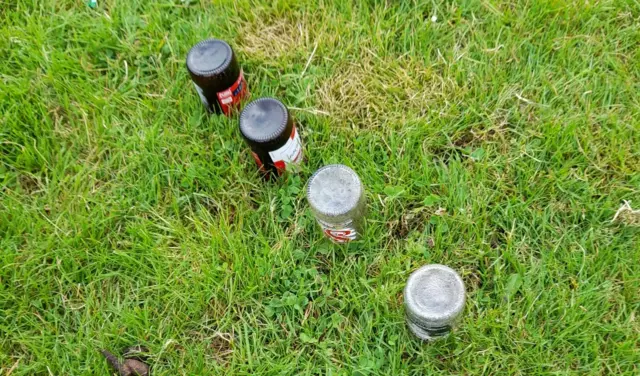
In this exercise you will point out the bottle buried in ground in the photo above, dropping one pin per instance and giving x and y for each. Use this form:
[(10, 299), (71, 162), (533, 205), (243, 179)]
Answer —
[(338, 202), (269, 130), (434, 299), (217, 76)]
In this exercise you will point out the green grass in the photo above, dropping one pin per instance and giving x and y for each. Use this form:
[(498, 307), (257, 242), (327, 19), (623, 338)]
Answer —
[(127, 215)]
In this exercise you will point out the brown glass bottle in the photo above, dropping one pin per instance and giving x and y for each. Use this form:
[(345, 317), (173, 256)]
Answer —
[(270, 132), (217, 76)]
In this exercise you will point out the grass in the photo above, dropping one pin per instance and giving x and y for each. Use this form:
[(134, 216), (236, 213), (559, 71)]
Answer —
[(500, 140)]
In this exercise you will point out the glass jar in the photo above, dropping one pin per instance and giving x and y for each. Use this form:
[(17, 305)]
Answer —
[(217, 76), (338, 202), (434, 299), (268, 128)]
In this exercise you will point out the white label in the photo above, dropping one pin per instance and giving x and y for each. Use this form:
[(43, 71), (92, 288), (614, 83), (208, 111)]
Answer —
[(340, 233), (201, 94), (289, 153)]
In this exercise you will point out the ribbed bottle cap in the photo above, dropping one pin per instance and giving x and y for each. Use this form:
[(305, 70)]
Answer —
[(209, 57), (426, 334), (334, 190), (434, 296), (263, 120)]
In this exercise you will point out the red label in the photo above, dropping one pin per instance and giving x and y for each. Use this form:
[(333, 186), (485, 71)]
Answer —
[(280, 166), (231, 97), (340, 236)]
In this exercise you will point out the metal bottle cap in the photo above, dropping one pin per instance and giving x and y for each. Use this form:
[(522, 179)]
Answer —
[(434, 298), (263, 120), (335, 193), (209, 57)]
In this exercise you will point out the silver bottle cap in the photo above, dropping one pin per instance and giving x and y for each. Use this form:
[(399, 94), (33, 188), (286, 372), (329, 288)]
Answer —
[(335, 194), (434, 299)]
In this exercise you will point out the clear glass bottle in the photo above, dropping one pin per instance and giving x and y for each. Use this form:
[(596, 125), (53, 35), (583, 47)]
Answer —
[(338, 202), (434, 299)]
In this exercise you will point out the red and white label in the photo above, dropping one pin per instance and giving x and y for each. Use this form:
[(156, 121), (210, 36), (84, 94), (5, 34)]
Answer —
[(342, 233), (231, 97), (290, 153)]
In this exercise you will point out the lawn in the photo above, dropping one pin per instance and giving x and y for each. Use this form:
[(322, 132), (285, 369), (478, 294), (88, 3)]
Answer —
[(499, 138)]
